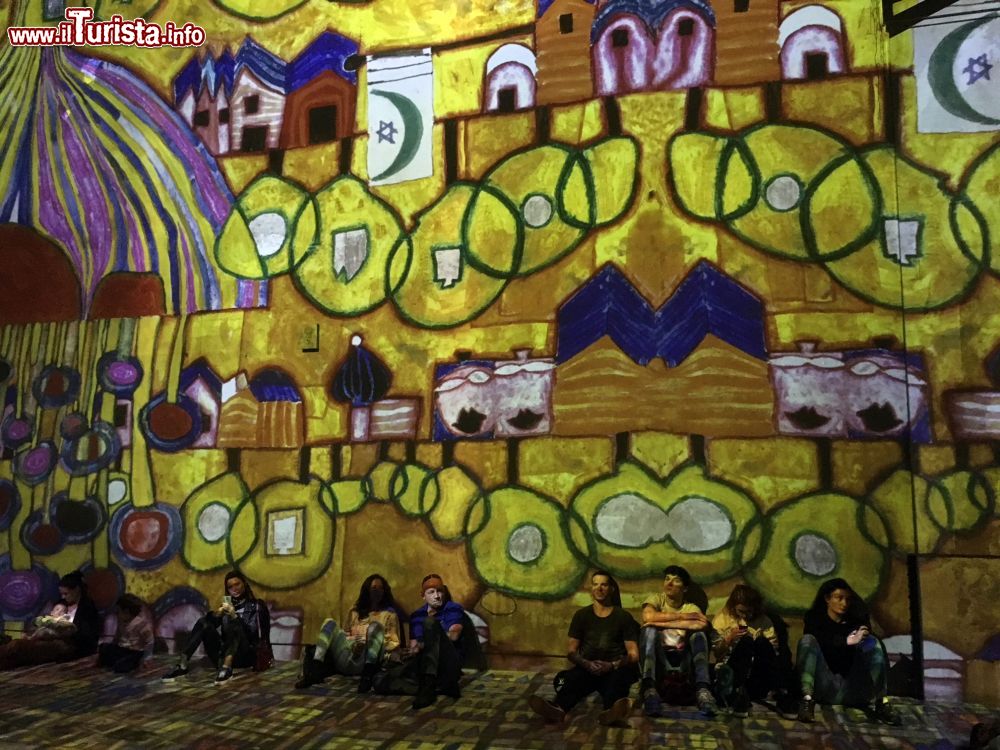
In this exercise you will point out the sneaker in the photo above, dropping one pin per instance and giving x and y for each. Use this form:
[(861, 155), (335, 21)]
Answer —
[(884, 713), (807, 710), (617, 714), (546, 709), (706, 702), (651, 703), (224, 674), (174, 673)]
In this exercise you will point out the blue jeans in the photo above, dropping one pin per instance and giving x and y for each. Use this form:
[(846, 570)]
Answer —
[(866, 682), (657, 660)]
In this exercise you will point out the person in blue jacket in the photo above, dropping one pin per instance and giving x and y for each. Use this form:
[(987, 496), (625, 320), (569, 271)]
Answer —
[(435, 641)]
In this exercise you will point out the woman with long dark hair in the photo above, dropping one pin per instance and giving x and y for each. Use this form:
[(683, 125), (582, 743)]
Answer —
[(372, 637), (71, 629), (232, 633), (840, 661)]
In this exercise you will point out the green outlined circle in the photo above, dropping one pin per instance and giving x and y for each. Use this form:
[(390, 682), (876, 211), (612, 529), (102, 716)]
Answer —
[(829, 233), (981, 185), (555, 572), (797, 151), (843, 522), (559, 173), (343, 273), (436, 285), (229, 492), (239, 250), (944, 262)]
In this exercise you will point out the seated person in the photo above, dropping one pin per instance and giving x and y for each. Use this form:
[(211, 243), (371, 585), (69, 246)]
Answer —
[(435, 635), (71, 629), (746, 651), (133, 637), (56, 624), (372, 638), (674, 640), (231, 633), (839, 661), (605, 654)]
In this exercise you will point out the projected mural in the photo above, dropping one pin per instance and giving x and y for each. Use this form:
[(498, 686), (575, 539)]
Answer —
[(615, 284)]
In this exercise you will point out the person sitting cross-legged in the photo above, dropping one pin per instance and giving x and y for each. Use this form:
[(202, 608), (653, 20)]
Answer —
[(435, 642), (604, 651), (674, 641)]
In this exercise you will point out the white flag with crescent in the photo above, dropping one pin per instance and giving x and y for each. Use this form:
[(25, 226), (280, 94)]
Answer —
[(956, 61), (400, 117)]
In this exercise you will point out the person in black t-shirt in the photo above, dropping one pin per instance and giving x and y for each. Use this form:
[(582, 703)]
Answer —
[(839, 661), (604, 650)]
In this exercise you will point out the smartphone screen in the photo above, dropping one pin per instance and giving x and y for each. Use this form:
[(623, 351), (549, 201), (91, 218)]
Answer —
[(227, 600)]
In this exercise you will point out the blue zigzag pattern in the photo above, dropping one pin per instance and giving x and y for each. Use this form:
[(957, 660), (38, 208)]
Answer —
[(706, 301)]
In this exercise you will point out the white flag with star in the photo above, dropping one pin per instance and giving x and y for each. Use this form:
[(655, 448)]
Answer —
[(956, 61), (400, 117)]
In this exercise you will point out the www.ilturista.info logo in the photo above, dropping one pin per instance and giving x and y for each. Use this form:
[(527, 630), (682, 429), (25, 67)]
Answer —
[(79, 29)]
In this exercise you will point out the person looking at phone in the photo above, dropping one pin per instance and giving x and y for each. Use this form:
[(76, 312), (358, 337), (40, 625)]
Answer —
[(230, 633), (371, 638), (435, 641), (746, 652), (839, 660)]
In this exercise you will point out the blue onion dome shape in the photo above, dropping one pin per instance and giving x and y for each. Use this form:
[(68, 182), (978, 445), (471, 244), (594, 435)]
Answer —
[(362, 378)]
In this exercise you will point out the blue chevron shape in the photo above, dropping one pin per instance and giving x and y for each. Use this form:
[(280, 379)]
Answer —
[(706, 301)]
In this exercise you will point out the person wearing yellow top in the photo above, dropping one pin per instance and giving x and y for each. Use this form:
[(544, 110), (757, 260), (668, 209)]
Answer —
[(674, 640), (746, 651), (372, 636)]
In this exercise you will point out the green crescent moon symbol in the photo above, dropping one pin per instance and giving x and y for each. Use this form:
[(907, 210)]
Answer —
[(942, 80), (413, 132)]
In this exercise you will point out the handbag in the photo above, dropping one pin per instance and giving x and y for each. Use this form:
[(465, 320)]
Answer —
[(264, 657)]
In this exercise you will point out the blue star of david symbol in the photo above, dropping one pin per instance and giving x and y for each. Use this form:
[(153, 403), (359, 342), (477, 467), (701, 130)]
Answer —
[(386, 132), (977, 68)]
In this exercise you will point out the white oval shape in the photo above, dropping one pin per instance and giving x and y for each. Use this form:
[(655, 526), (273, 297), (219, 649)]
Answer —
[(815, 555), (268, 231), (630, 520), (698, 524), (213, 522), (537, 211), (117, 491), (526, 543), (783, 193)]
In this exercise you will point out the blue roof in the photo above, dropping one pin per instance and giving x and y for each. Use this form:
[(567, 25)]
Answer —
[(274, 385), (188, 79), (328, 51), (225, 71), (652, 12), (706, 301), (200, 369), (268, 67)]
